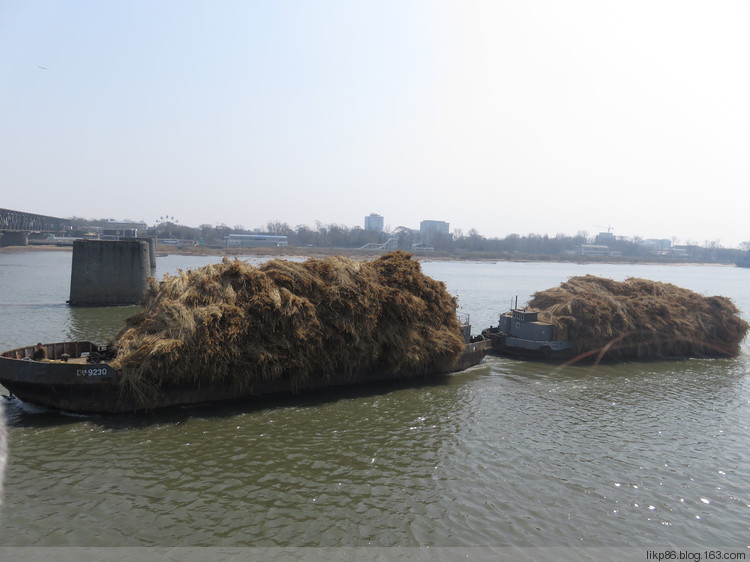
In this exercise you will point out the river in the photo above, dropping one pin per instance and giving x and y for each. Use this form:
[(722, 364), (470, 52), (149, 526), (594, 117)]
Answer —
[(505, 454)]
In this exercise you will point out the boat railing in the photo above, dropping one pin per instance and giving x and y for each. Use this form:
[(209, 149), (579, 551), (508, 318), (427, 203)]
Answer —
[(55, 350)]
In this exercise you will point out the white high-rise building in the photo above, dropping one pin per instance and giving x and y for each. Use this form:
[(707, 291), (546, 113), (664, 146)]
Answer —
[(429, 229), (374, 223)]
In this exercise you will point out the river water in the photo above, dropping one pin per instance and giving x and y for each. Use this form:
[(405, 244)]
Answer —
[(505, 454)]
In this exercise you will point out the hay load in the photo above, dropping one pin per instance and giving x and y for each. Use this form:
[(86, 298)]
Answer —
[(236, 323), (640, 319)]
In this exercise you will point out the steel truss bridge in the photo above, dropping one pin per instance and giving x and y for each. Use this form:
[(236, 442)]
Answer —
[(16, 225), (17, 220)]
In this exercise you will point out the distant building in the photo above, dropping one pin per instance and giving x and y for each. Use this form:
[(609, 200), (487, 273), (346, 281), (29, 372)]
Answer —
[(657, 246), (428, 230), (176, 242), (374, 223), (604, 238), (683, 251), (255, 240), (595, 250), (114, 230), (112, 234)]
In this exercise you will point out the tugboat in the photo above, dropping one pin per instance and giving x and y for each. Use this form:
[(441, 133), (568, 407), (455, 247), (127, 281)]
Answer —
[(520, 333)]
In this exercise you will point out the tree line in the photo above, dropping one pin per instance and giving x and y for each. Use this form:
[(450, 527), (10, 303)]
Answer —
[(333, 236)]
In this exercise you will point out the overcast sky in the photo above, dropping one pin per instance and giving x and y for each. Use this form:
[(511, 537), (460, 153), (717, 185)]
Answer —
[(505, 116)]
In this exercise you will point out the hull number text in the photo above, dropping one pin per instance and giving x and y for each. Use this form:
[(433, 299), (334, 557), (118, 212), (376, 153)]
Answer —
[(93, 372)]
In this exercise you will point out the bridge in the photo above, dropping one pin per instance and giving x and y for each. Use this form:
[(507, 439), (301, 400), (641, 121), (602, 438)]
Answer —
[(16, 225)]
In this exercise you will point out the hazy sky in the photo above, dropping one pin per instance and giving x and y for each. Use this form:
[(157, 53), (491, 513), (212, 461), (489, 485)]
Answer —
[(506, 116)]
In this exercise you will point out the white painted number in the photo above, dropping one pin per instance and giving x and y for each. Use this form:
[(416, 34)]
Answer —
[(93, 372)]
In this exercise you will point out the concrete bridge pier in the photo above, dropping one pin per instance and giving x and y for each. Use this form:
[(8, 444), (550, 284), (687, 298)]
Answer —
[(14, 238), (109, 272), (152, 250)]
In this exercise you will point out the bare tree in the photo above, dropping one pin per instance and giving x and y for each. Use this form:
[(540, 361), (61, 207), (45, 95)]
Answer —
[(278, 228)]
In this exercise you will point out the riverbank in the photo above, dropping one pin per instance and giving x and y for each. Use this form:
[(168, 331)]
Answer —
[(356, 253), (34, 248), (168, 249)]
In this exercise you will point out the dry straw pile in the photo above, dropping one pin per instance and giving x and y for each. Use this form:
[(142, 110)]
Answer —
[(286, 321), (640, 319)]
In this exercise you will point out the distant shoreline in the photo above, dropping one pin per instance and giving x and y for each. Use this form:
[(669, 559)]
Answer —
[(304, 253)]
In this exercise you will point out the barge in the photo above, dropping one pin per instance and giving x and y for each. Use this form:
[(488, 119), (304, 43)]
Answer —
[(76, 377)]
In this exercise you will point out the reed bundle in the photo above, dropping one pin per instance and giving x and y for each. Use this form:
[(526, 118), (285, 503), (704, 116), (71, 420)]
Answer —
[(236, 323), (640, 319)]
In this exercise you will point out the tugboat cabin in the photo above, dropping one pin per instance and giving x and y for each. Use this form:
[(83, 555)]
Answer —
[(525, 325), (520, 332)]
